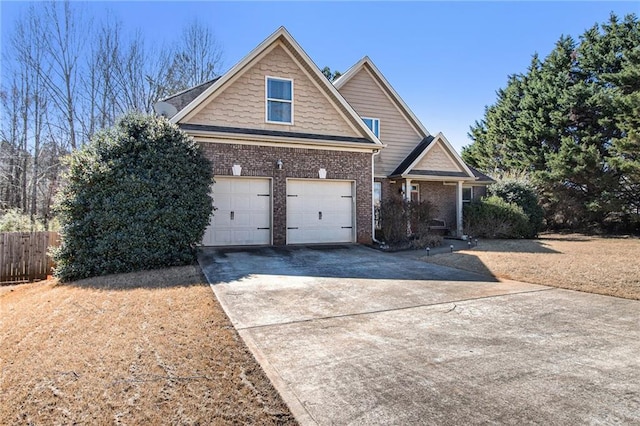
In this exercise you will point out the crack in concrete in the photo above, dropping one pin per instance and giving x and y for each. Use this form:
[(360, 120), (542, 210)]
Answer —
[(425, 305)]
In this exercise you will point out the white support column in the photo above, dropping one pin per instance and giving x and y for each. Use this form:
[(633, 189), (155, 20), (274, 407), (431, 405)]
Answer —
[(407, 197), (459, 230)]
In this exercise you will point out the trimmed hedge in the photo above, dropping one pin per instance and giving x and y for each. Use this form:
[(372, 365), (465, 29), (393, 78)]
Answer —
[(136, 197), (493, 217), (524, 195)]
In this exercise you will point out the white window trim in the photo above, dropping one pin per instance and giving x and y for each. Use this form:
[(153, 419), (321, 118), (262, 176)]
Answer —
[(379, 185), (267, 99), (417, 191), (471, 189), (376, 119)]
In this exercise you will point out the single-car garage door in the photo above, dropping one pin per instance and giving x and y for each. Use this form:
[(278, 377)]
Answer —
[(319, 211), (243, 212)]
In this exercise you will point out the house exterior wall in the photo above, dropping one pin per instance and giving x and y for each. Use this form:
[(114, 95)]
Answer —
[(443, 198), (243, 103), (369, 100), (260, 161), (437, 159), (479, 191)]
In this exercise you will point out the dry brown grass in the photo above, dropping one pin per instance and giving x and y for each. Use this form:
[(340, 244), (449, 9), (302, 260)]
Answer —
[(146, 348), (609, 266)]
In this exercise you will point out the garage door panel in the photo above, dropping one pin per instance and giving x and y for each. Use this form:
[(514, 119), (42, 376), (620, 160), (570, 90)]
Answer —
[(243, 215), (319, 211)]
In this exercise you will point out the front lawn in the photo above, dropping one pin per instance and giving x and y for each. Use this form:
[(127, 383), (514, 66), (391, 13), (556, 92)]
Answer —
[(608, 266), (145, 348)]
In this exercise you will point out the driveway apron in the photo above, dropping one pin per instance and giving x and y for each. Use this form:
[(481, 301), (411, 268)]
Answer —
[(350, 335)]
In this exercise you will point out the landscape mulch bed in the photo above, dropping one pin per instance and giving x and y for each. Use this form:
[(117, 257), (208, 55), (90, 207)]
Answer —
[(608, 266), (146, 348)]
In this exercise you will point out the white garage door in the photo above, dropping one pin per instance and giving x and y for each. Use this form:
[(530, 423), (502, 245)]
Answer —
[(319, 211), (243, 215)]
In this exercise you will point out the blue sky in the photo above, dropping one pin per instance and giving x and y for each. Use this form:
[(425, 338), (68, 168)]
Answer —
[(446, 59)]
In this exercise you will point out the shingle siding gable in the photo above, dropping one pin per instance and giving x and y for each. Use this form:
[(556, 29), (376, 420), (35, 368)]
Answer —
[(242, 103), (437, 159)]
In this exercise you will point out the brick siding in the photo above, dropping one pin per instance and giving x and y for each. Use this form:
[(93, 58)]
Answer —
[(444, 199), (260, 161)]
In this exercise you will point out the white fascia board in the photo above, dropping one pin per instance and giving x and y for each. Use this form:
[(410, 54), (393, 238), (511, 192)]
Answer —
[(281, 32), (265, 140), (349, 73), (452, 154), (455, 155), (228, 75), (330, 87), (343, 79), (444, 179)]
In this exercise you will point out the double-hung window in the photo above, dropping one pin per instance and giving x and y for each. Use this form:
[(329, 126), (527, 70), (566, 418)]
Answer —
[(373, 124), (467, 194), (279, 100)]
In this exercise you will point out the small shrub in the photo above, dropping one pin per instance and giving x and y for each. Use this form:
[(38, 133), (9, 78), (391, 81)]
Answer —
[(136, 197), (523, 194), (493, 217), (396, 215), (393, 220)]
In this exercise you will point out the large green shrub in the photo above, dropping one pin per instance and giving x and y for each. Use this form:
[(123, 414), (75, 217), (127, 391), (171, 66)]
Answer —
[(523, 194), (136, 197), (493, 217)]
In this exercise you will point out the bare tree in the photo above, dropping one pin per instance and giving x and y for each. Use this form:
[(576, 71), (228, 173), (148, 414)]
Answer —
[(140, 75), (71, 79), (99, 80), (197, 57)]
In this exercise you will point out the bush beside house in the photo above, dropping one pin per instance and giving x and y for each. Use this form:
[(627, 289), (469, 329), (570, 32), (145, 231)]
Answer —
[(493, 217), (406, 224), (523, 194), (136, 197)]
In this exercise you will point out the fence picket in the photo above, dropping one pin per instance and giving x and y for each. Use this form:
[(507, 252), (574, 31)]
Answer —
[(24, 255)]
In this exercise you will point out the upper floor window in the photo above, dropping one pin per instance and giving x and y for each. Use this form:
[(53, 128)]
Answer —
[(373, 124), (279, 100)]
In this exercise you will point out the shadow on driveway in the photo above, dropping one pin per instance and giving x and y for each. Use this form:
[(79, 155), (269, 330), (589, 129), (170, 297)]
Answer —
[(224, 265), (351, 335)]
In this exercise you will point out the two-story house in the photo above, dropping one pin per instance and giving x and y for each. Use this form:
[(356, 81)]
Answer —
[(299, 160)]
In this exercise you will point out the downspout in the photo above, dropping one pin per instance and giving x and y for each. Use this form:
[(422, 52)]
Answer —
[(373, 207)]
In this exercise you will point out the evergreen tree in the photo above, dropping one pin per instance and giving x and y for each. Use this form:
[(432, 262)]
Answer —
[(571, 123)]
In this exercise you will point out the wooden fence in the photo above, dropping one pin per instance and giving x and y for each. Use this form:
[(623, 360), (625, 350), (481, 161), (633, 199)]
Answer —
[(24, 256)]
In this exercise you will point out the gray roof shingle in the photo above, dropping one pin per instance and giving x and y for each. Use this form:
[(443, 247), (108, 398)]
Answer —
[(184, 98)]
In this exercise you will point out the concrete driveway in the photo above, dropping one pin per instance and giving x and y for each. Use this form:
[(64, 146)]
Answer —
[(350, 335)]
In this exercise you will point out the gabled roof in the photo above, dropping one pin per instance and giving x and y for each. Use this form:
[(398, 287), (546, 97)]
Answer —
[(422, 149), (281, 35), (386, 86), (417, 151), (480, 177), (182, 99)]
